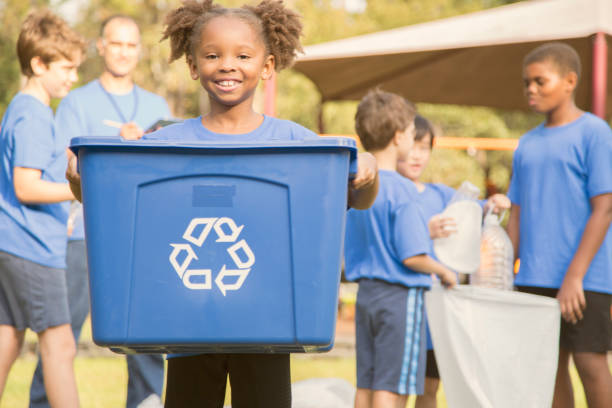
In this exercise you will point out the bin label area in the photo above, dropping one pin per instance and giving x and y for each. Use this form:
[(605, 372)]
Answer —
[(210, 231)]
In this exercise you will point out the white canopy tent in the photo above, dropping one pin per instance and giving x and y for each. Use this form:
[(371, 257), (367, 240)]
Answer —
[(472, 59)]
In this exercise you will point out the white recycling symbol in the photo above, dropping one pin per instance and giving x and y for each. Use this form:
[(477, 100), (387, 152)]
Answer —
[(240, 252)]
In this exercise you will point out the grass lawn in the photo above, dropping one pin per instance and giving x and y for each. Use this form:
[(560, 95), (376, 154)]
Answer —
[(101, 380)]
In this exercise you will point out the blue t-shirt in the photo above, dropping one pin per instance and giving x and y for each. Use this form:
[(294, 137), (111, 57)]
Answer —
[(270, 129), (380, 238), (556, 171), (90, 110), (36, 232)]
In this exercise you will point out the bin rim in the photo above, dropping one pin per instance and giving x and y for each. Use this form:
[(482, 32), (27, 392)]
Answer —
[(79, 142)]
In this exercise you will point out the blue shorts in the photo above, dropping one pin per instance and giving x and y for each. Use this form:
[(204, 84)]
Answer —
[(390, 337), (32, 295)]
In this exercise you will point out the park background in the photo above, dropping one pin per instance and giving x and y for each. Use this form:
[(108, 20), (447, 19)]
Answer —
[(100, 375), (297, 97)]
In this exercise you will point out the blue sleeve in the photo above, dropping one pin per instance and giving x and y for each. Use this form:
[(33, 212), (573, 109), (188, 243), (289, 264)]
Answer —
[(33, 142), (305, 134), (514, 188), (599, 162), (299, 132), (410, 234)]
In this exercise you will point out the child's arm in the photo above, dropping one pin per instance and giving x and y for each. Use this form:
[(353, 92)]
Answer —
[(513, 227), (31, 189), (571, 293), (425, 264), (364, 187)]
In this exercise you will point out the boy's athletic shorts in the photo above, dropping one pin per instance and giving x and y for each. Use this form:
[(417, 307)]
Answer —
[(32, 295), (390, 337), (592, 334)]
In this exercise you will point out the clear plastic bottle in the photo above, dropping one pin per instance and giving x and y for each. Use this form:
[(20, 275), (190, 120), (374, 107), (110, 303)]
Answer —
[(496, 257), (460, 251)]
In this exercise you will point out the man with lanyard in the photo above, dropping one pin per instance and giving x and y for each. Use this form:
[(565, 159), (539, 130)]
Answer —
[(111, 105)]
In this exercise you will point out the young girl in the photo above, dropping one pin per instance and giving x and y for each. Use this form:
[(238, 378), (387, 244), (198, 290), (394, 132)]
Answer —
[(434, 198), (229, 50)]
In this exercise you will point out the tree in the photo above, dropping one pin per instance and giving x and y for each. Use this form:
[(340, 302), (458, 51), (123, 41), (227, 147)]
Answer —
[(297, 99), (490, 171), (12, 11)]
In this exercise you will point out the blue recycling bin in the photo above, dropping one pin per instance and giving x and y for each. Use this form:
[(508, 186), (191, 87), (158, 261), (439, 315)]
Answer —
[(214, 247)]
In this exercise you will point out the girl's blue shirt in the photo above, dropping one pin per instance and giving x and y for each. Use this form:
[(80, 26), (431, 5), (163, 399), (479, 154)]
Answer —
[(270, 129)]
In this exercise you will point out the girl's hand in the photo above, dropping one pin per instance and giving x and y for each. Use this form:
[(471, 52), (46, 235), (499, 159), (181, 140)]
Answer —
[(441, 226), (131, 131), (73, 176), (367, 169), (498, 202)]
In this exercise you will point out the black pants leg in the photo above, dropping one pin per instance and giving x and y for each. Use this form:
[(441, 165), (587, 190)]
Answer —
[(260, 380), (196, 381)]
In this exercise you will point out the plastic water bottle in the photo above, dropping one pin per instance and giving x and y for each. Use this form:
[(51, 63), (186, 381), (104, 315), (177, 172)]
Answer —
[(460, 251), (496, 256)]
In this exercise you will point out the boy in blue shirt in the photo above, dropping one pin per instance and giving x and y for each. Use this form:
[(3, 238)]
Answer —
[(386, 252), (561, 193), (111, 105), (34, 199)]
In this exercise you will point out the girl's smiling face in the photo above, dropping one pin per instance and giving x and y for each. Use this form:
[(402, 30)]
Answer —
[(229, 61)]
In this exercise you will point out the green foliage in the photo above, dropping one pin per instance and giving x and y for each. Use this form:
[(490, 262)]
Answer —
[(339, 117), (453, 167), (153, 72), (297, 97), (12, 13), (324, 21), (487, 170), (333, 22)]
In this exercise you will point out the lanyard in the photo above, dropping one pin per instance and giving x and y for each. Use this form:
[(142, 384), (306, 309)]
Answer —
[(117, 109)]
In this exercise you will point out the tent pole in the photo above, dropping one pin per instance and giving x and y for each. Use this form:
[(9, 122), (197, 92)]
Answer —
[(600, 69), (270, 95)]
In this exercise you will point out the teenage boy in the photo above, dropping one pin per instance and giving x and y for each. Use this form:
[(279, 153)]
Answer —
[(111, 105), (561, 193), (34, 199), (386, 252)]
